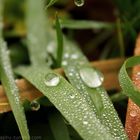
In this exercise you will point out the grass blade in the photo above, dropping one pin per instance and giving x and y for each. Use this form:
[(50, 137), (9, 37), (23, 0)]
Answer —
[(69, 102), (97, 98), (58, 127), (50, 3), (59, 43), (83, 24), (131, 91), (10, 87), (37, 35)]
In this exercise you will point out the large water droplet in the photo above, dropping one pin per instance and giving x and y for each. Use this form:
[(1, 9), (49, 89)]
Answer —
[(79, 3), (35, 106), (92, 78), (52, 80)]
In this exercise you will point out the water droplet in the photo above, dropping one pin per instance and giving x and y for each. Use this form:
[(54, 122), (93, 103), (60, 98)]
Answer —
[(64, 63), (79, 3), (72, 96), (74, 56), (91, 77), (52, 79), (85, 122), (35, 106), (133, 113), (51, 47)]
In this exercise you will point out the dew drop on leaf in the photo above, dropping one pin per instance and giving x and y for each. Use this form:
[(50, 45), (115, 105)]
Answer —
[(72, 96), (133, 113), (51, 80), (35, 106), (79, 3), (85, 122), (92, 78)]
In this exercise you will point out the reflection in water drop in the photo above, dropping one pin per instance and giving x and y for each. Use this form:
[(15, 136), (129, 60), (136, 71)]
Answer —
[(79, 3), (35, 106), (92, 78), (51, 80)]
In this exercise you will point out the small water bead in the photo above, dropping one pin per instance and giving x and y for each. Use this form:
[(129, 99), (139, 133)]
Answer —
[(64, 63), (35, 106), (52, 80), (133, 113), (85, 122), (79, 3), (72, 96), (74, 56), (66, 55), (92, 78), (51, 47)]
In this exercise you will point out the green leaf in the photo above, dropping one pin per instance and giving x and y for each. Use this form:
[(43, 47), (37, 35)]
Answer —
[(59, 43), (69, 102), (126, 83), (83, 24), (10, 87), (58, 127)]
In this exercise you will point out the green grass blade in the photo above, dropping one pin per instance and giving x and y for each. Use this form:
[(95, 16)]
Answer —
[(97, 98), (36, 28), (127, 85), (59, 42), (58, 127), (83, 24), (10, 87), (69, 102), (50, 3)]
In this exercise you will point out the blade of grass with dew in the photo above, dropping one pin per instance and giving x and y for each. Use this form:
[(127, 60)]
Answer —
[(73, 62), (76, 110), (37, 35), (126, 83), (58, 126), (10, 87), (7, 79), (50, 3), (69, 102), (59, 42), (83, 24)]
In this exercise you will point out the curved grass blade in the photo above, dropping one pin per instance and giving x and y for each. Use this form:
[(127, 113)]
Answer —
[(59, 43), (69, 102), (57, 125), (126, 83), (97, 98), (10, 87), (83, 24)]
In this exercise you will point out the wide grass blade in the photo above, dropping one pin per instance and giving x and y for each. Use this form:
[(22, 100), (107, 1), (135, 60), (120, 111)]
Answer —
[(10, 87), (127, 85), (37, 33), (97, 98), (69, 102)]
